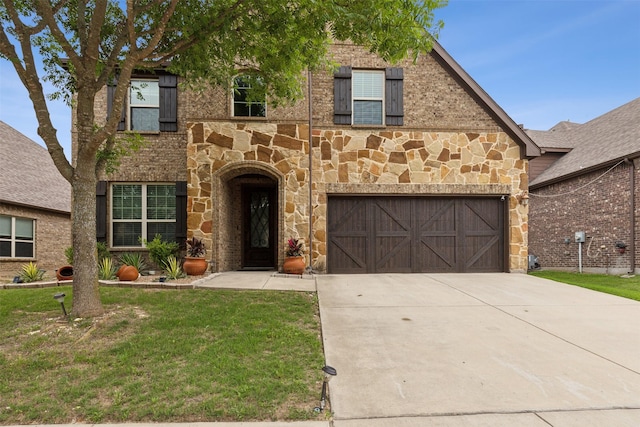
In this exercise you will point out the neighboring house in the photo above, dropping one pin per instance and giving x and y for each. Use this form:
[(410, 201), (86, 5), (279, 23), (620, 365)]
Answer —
[(587, 180), (415, 169), (35, 206)]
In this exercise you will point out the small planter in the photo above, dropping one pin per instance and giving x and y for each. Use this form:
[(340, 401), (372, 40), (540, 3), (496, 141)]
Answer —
[(64, 273), (294, 265), (194, 266), (127, 273)]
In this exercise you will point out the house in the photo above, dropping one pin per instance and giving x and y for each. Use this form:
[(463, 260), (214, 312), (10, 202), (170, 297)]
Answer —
[(587, 180), (35, 206), (413, 168)]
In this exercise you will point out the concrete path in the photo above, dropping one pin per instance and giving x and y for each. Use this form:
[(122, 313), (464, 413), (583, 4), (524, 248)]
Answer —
[(478, 350), (266, 280)]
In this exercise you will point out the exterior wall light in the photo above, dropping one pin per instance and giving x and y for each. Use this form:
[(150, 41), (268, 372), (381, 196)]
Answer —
[(60, 298), (329, 372), (621, 247), (523, 198)]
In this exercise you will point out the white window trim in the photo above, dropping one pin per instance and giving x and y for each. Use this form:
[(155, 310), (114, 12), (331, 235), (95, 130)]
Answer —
[(363, 98), (143, 220), (233, 105), (131, 105), (12, 238)]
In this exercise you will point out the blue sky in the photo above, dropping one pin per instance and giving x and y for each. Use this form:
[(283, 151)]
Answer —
[(542, 61)]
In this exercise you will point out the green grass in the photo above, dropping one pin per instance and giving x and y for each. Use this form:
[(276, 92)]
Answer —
[(171, 356), (615, 285)]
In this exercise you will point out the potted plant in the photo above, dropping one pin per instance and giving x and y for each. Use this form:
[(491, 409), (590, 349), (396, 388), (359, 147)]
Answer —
[(294, 262), (194, 263)]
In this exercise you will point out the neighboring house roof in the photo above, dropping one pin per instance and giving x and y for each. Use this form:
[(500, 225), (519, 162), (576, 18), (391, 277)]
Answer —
[(598, 143), (509, 126), (28, 176)]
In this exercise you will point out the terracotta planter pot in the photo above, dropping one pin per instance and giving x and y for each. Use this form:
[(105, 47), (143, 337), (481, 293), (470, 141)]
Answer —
[(64, 273), (128, 273), (194, 266), (294, 265)]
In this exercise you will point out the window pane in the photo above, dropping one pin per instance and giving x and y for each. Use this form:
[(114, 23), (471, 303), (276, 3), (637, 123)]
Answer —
[(166, 229), (5, 248), (367, 84), (24, 250), (5, 227), (24, 229), (145, 119), (127, 233), (367, 112), (242, 107), (161, 202), (144, 92), (127, 201)]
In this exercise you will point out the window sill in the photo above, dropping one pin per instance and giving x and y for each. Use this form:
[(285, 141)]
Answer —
[(369, 126), (250, 119)]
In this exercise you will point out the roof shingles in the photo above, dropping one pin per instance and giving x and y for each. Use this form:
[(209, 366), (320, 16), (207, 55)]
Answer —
[(610, 137), (28, 176)]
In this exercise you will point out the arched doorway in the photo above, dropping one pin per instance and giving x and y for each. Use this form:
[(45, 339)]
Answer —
[(248, 214)]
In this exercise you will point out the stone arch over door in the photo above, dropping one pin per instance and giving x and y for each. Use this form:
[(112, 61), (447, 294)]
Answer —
[(227, 216)]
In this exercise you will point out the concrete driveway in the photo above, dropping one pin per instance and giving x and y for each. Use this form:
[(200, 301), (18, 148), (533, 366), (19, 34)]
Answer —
[(478, 350)]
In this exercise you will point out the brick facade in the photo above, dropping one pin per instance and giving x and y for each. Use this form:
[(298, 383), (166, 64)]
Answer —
[(52, 237), (449, 144), (599, 206)]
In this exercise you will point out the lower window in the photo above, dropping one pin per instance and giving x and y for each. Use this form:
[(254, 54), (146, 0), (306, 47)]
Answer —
[(140, 211), (16, 237)]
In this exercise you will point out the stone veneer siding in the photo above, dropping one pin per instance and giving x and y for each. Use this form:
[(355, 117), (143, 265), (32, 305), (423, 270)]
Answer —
[(52, 234), (345, 161), (599, 206)]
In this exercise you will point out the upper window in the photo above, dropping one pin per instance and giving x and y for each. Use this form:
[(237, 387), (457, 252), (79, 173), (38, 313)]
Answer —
[(151, 104), (140, 211), (144, 106), (16, 237), (368, 97), (243, 105)]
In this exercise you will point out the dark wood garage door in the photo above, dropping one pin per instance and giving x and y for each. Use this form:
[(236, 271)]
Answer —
[(415, 234)]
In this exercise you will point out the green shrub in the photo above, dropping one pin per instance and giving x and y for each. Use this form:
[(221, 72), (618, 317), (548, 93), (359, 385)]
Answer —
[(106, 269), (160, 250), (31, 273), (133, 258), (68, 253), (103, 252), (172, 267)]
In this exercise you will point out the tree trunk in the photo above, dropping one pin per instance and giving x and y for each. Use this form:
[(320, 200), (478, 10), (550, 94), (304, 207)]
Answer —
[(86, 292)]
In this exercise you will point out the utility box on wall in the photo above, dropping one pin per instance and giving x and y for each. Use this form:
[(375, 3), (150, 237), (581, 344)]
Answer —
[(580, 237)]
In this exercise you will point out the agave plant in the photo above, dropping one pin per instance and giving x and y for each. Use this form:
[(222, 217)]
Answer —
[(31, 273), (106, 269), (172, 267), (134, 259)]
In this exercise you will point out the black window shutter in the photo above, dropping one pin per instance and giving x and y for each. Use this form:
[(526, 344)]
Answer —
[(394, 105), (181, 212), (342, 96), (101, 211), (168, 86), (111, 90)]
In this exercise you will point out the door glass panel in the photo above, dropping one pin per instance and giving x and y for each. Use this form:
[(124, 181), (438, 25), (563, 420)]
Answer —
[(259, 216)]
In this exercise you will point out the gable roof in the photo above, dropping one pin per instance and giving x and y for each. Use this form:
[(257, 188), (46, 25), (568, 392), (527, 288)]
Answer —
[(518, 134), (598, 143), (28, 176)]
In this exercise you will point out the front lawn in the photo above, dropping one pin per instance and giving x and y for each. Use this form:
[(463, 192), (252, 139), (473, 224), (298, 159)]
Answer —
[(160, 355), (628, 287)]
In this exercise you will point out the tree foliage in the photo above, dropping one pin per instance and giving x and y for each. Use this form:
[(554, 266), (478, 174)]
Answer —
[(83, 44)]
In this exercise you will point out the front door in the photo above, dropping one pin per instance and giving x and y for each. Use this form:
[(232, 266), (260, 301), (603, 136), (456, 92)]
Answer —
[(259, 231)]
